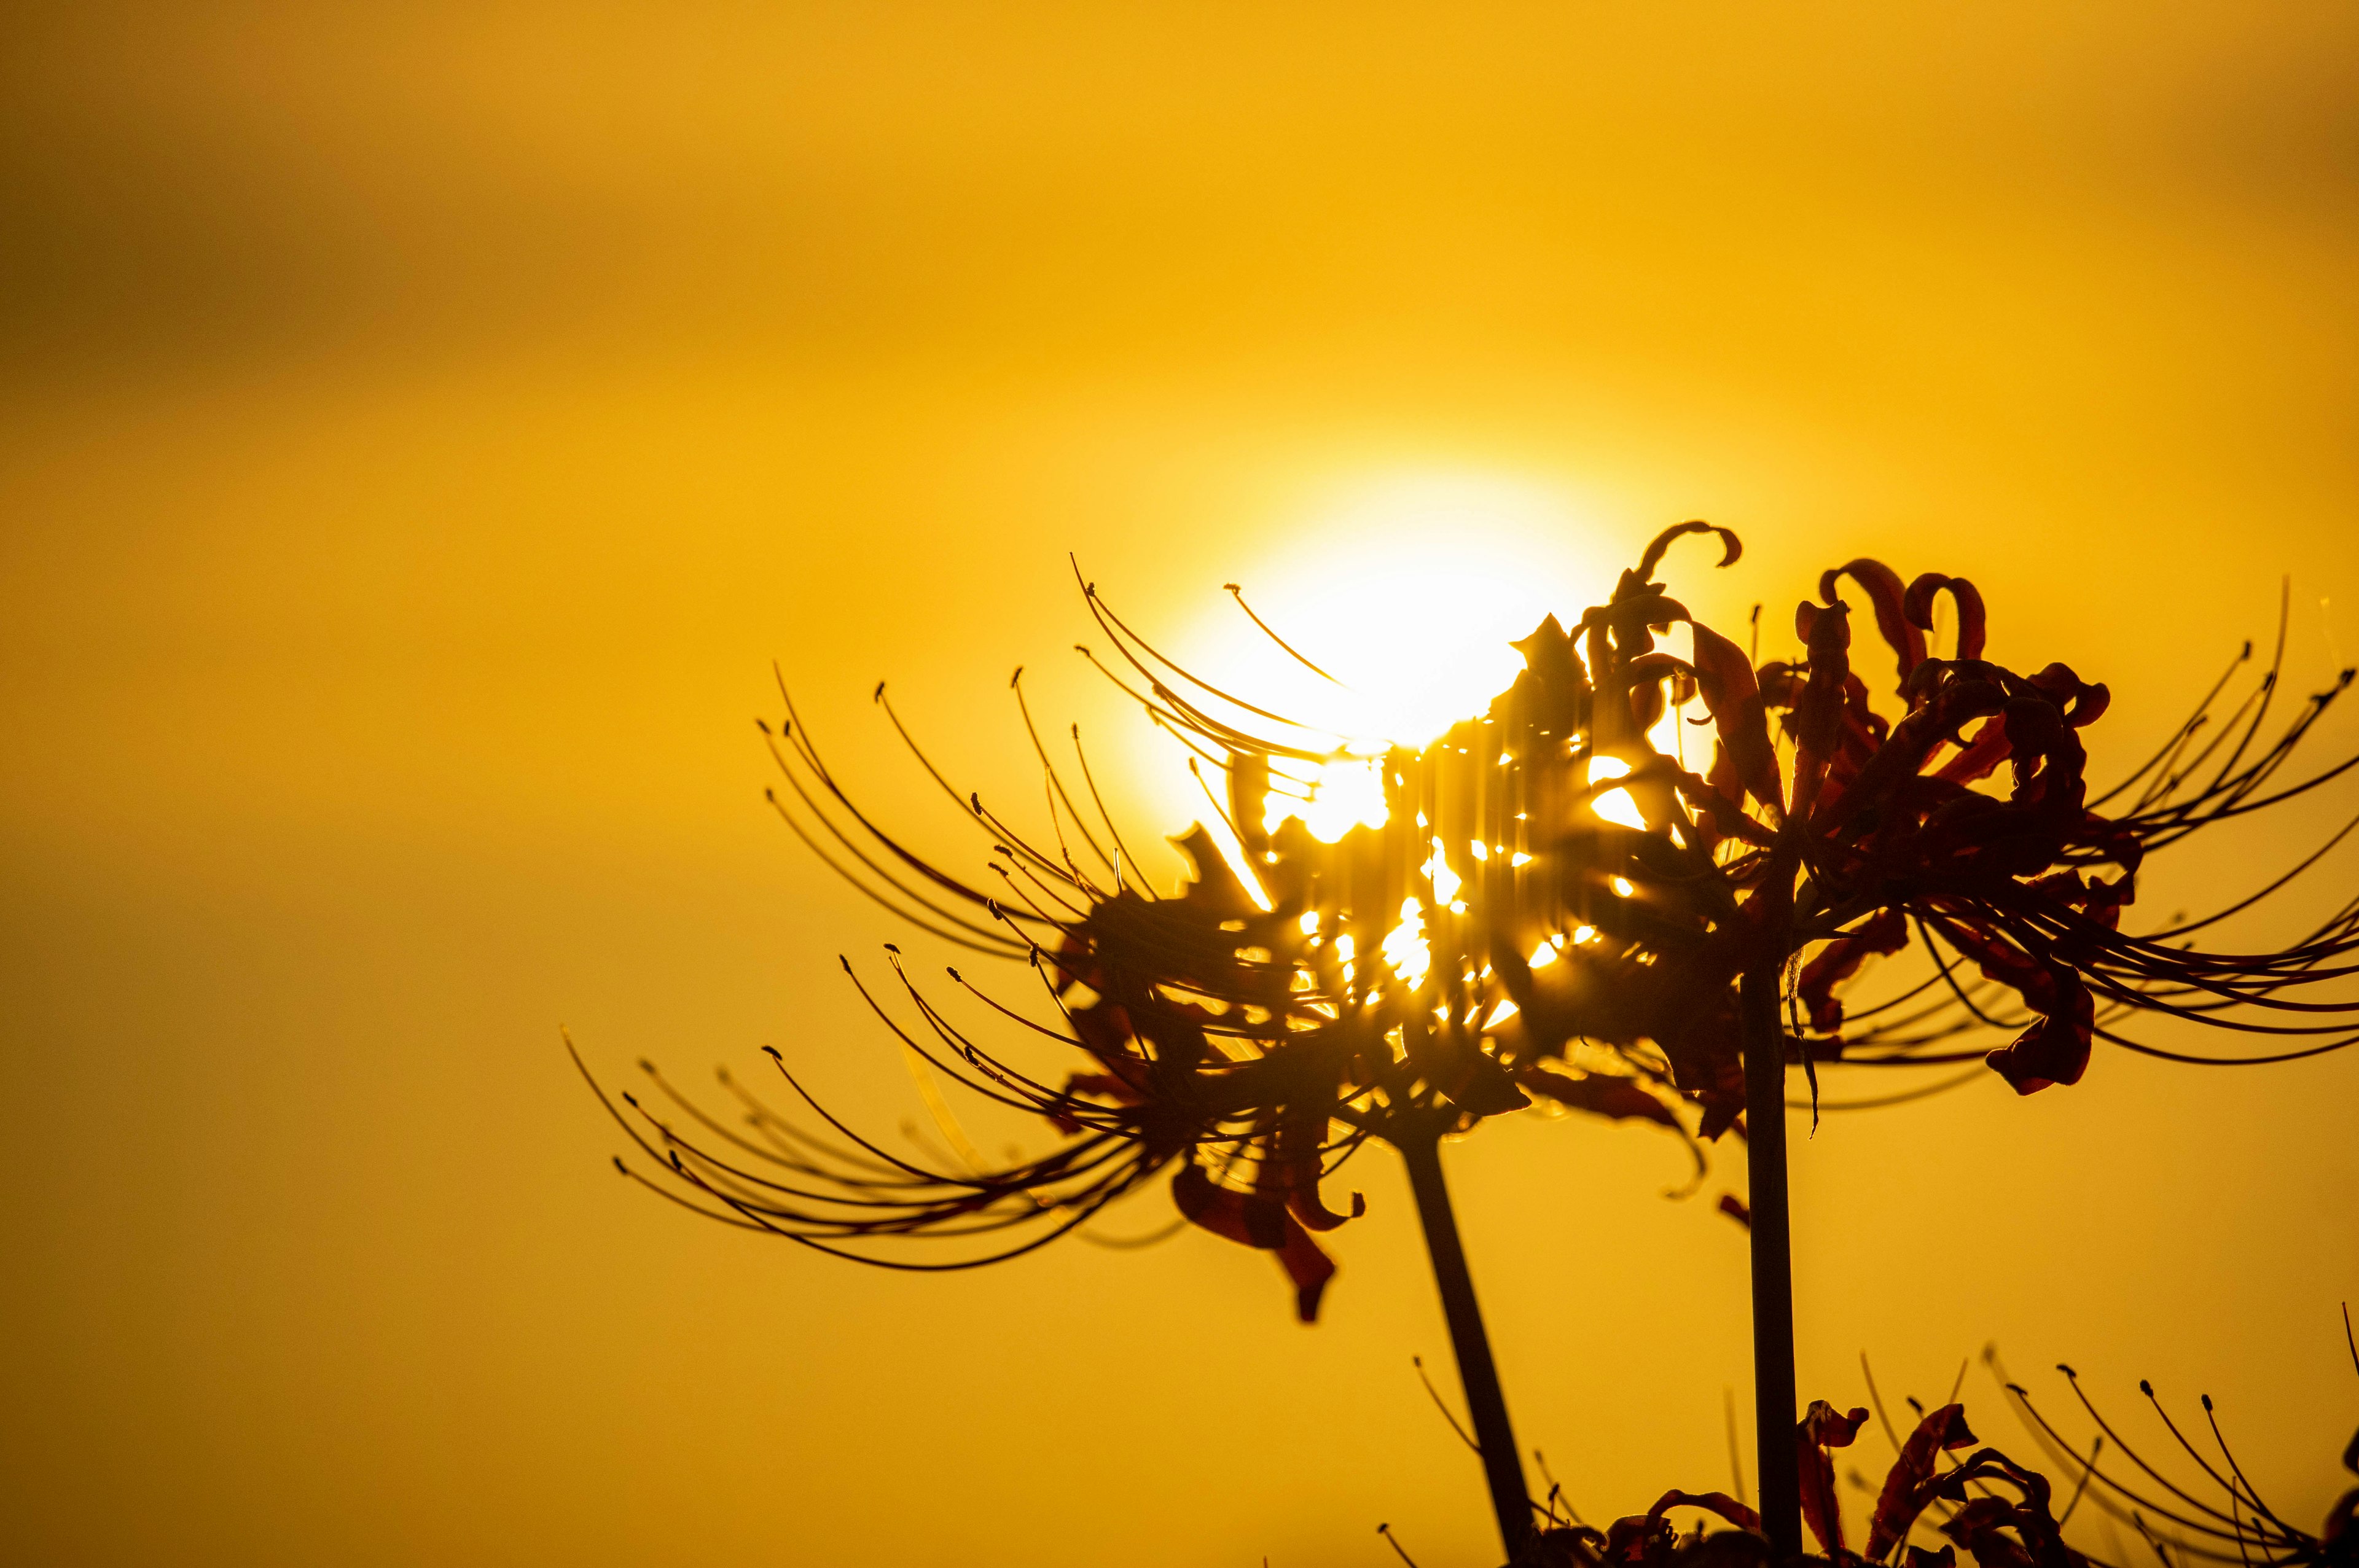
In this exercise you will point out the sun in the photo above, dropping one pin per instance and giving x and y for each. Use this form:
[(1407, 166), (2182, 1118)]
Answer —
[(1407, 591), (1397, 599)]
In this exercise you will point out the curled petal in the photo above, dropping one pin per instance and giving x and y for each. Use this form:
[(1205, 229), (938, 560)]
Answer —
[(1908, 1489), (1884, 931), (1601, 1094), (1918, 608), (2080, 703), (1885, 592), (1823, 1428), (1731, 547), (1258, 1222), (2055, 1049)]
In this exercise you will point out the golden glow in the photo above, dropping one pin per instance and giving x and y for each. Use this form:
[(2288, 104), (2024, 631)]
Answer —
[(427, 422), (1614, 805), (1344, 793), (1405, 948), (1668, 733), (1224, 838), (1409, 590), (1445, 880)]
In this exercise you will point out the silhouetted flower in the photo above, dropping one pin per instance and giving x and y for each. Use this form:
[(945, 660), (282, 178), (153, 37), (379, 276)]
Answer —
[(1551, 904)]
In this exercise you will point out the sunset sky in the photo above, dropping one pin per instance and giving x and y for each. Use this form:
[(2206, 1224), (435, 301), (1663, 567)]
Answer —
[(422, 427)]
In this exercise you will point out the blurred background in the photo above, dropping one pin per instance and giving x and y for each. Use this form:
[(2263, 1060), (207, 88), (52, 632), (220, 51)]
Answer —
[(422, 425)]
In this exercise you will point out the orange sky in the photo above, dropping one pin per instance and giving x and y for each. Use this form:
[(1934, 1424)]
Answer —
[(424, 424)]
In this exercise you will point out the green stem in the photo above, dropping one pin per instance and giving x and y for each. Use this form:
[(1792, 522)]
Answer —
[(1503, 1465)]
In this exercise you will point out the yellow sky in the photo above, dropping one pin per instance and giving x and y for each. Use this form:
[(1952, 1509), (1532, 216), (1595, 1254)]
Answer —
[(421, 426)]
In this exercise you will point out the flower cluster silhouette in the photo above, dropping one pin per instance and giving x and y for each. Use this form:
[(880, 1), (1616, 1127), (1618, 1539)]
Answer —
[(1553, 907)]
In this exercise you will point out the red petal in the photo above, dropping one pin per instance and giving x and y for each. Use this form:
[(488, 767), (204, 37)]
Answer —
[(1884, 931), (1906, 1488), (1919, 607), (1600, 1094), (1823, 1428), (1719, 1503), (1883, 592), (2055, 1049)]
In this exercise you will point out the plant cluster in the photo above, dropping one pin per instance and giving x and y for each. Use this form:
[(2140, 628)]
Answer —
[(1553, 905)]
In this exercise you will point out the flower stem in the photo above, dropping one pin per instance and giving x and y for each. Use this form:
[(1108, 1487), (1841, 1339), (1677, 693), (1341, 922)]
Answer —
[(1503, 1465), (1773, 1261)]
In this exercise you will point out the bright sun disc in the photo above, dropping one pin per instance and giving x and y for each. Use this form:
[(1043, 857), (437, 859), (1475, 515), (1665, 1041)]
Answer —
[(1408, 591)]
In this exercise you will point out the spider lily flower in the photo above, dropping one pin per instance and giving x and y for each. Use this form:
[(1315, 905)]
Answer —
[(1550, 905), (1587, 892)]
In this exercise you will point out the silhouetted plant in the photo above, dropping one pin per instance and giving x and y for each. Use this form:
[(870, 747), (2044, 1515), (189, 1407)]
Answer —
[(1666, 933), (2004, 1513), (1552, 904)]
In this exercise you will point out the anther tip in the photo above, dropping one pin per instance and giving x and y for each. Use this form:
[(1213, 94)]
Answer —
[(621, 1169), (892, 947), (878, 695), (2146, 1387), (2066, 1370), (772, 1052), (2207, 1401)]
